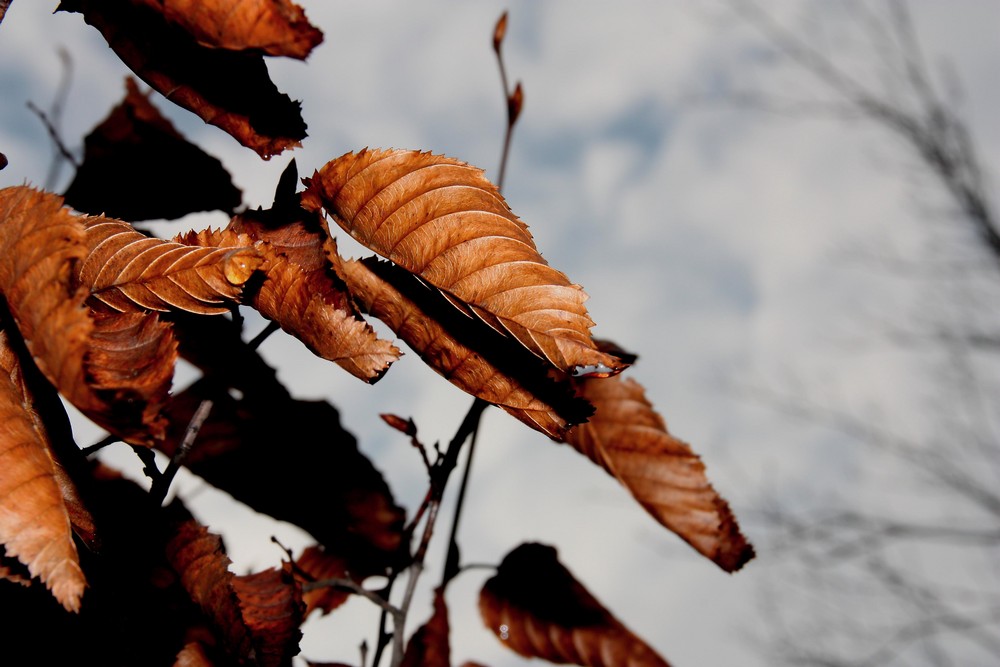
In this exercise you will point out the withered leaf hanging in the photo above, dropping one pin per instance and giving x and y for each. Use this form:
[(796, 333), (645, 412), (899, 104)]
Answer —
[(442, 220)]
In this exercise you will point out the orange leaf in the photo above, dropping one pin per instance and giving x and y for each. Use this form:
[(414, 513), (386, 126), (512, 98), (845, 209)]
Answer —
[(136, 166), (276, 27), (271, 604), (229, 89), (200, 559), (538, 609), (42, 246), (319, 564), (126, 269), (629, 439), (307, 302), (471, 355), (35, 524), (444, 221), (429, 646)]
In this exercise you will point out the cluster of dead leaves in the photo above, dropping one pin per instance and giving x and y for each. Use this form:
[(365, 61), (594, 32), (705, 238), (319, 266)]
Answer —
[(98, 312)]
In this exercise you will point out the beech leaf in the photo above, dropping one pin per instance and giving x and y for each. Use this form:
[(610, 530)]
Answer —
[(464, 350), (306, 299), (200, 560), (429, 645), (126, 270), (275, 27), (444, 221), (229, 89), (35, 525), (630, 441), (43, 246), (537, 608), (136, 166)]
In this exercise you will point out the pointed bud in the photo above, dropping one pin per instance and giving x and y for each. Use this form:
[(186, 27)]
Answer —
[(514, 104), (499, 31), (405, 426)]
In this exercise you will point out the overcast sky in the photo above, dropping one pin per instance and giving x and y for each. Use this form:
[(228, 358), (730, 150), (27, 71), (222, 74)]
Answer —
[(720, 244)]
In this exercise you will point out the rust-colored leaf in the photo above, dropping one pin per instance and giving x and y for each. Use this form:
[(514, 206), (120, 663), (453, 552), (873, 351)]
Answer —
[(35, 525), (429, 645), (630, 440), (310, 305), (275, 27), (136, 166), (444, 221), (126, 269), (43, 246), (318, 564), (200, 560), (229, 89), (537, 608), (471, 355), (131, 360), (271, 604)]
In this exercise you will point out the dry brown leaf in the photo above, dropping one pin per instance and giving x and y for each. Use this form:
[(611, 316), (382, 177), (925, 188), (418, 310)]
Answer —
[(271, 604), (444, 221), (469, 354), (630, 440), (136, 166), (275, 27), (318, 564), (229, 89), (43, 246), (307, 303), (126, 269), (200, 560), (429, 645), (35, 525), (537, 608)]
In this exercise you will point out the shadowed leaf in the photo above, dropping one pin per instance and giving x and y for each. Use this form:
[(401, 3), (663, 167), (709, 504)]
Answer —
[(229, 89), (467, 352), (271, 604), (136, 166), (200, 560), (293, 461), (35, 524), (126, 270), (537, 608), (319, 564), (444, 221), (629, 439), (429, 646), (43, 246), (275, 27)]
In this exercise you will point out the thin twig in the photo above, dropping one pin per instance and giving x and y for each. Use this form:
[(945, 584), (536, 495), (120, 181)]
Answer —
[(354, 587), (54, 135), (162, 484), (100, 444)]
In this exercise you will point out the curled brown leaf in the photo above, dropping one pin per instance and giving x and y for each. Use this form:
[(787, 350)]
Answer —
[(442, 220), (35, 524), (275, 27), (229, 89), (537, 608), (629, 439), (469, 354), (128, 270)]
